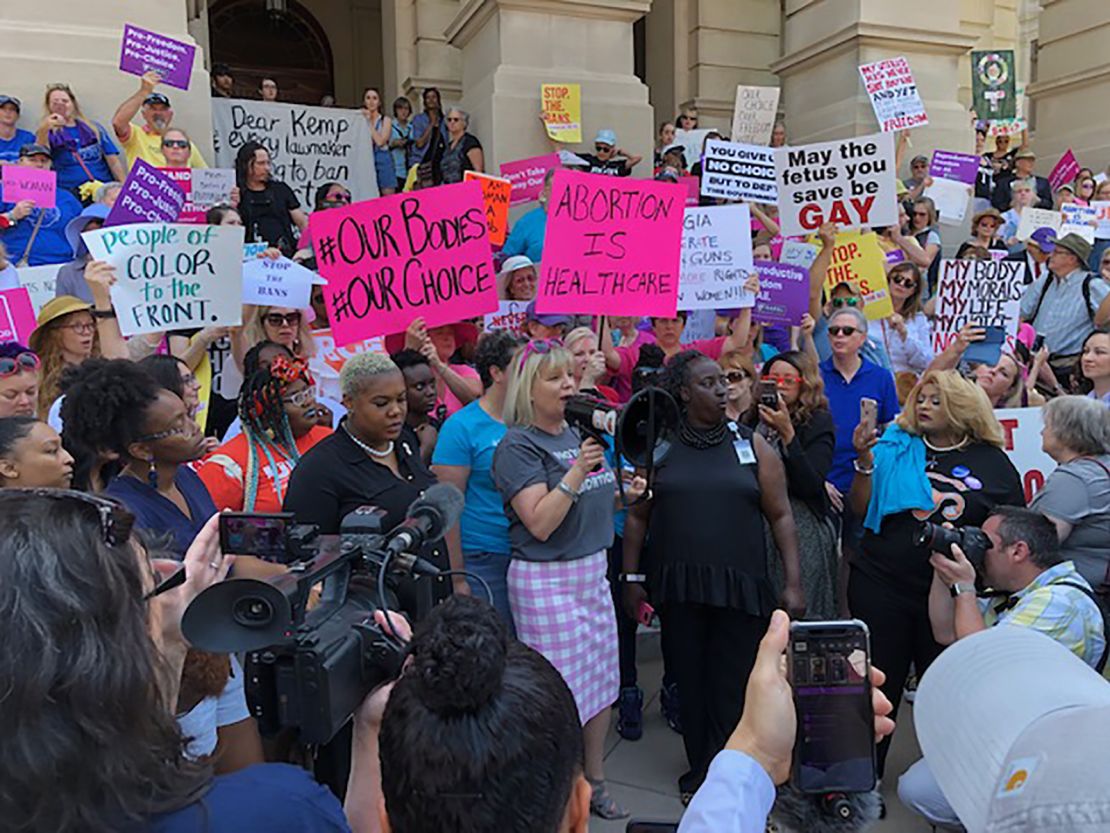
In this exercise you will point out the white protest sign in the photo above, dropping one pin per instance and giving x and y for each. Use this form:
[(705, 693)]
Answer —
[(211, 186), (39, 282), (1021, 431), (951, 199), (753, 117), (1079, 219), (308, 146), (797, 253), (278, 283), (738, 172), (1102, 209), (510, 315), (984, 292), (171, 276), (716, 258), (893, 93), (1035, 218), (692, 141), (848, 182), (700, 324)]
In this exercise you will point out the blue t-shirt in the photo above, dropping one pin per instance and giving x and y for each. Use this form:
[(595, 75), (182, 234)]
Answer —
[(9, 148), (50, 244), (277, 798), (419, 125), (870, 381), (94, 155), (526, 236), (468, 438), (158, 515)]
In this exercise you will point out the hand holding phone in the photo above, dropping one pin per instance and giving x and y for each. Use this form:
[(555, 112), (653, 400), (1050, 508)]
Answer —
[(869, 414), (769, 394)]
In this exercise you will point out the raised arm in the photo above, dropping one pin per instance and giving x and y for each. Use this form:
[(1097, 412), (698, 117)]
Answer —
[(121, 121), (949, 358), (100, 276), (820, 266)]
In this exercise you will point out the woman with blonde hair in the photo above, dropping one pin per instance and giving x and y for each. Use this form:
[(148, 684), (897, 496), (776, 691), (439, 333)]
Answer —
[(740, 375), (907, 334), (81, 149), (1022, 195), (941, 461), (589, 362), (282, 325)]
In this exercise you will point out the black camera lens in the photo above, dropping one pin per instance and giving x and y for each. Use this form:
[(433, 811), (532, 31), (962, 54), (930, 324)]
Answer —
[(253, 612)]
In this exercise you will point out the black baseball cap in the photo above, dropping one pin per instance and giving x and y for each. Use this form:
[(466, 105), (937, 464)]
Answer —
[(33, 149), (156, 98), (11, 99)]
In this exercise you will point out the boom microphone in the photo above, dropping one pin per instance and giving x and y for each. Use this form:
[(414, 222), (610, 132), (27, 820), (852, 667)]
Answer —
[(429, 517)]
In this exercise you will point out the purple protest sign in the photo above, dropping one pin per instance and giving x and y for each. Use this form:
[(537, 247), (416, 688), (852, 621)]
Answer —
[(958, 167), (527, 176), (1065, 171), (783, 293), (34, 184), (143, 51), (148, 196)]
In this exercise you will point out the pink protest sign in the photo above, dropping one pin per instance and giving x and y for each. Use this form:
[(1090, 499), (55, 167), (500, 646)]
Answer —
[(693, 189), (613, 246), (21, 183), (527, 176), (184, 179), (17, 315), (1065, 171), (392, 259)]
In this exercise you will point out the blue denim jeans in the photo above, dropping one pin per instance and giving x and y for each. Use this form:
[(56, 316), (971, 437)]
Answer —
[(493, 568)]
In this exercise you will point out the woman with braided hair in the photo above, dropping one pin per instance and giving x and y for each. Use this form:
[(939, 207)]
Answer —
[(278, 413)]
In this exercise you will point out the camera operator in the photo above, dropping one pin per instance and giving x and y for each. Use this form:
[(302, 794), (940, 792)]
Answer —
[(1039, 591)]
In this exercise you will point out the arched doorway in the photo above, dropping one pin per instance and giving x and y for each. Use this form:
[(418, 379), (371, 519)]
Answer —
[(277, 39)]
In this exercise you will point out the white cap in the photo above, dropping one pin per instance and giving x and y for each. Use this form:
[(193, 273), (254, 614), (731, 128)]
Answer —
[(510, 265), (1016, 730)]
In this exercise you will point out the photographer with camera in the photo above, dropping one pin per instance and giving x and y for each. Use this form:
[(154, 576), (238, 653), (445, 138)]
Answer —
[(1019, 559)]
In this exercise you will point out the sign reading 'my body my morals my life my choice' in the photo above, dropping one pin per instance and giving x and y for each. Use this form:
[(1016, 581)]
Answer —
[(143, 51), (738, 172), (613, 246), (716, 258), (172, 276), (848, 182), (308, 146), (984, 292), (393, 259)]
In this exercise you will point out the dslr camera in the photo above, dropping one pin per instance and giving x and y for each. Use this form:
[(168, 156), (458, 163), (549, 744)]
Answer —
[(972, 540)]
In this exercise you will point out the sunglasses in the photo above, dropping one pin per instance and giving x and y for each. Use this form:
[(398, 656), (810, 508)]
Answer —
[(115, 521), (787, 380), (603, 149), (338, 199), (453, 118), (539, 347), (907, 283), (174, 143), (847, 331), (845, 302), (11, 365), (736, 376), (276, 319)]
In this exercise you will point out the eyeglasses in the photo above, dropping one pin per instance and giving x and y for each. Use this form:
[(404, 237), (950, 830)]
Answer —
[(290, 319), (846, 302), (790, 380), (301, 398), (11, 365), (174, 143), (453, 118), (908, 283), (539, 347), (173, 580), (185, 427), (734, 377), (81, 329), (847, 331)]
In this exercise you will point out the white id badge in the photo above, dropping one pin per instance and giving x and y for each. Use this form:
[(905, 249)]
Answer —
[(744, 452)]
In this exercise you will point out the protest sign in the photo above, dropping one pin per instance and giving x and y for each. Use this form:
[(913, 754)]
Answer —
[(716, 258), (24, 183), (211, 186), (1079, 219), (308, 146), (693, 142), (252, 250), (1102, 215), (857, 257), (328, 362), (993, 84), (390, 260), (1021, 433), (148, 196), (797, 253), (562, 111), (278, 283), (527, 176), (183, 177), (171, 276), (613, 246), (985, 292), (848, 182), (17, 315), (1065, 171), (738, 172), (953, 166), (893, 92), (510, 315), (950, 198), (496, 193), (700, 324), (39, 281), (693, 189), (143, 51), (783, 293), (753, 117), (1035, 218)]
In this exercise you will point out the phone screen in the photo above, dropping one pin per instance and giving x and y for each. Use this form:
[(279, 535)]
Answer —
[(830, 667), (769, 394), (261, 535)]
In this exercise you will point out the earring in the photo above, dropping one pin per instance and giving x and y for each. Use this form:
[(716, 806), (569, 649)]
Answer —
[(152, 475)]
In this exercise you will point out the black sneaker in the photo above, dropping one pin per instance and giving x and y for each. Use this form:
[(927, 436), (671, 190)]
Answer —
[(630, 717), (668, 703)]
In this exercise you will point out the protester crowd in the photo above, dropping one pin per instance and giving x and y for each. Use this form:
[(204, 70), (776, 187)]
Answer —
[(804, 463)]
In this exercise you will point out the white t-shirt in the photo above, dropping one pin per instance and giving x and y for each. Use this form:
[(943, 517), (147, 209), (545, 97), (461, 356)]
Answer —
[(199, 724)]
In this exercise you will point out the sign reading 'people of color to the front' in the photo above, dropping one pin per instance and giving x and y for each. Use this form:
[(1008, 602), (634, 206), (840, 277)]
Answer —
[(393, 259), (613, 246)]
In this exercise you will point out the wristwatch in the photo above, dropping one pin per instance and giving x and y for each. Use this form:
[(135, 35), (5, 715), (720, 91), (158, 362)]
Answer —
[(632, 578), (104, 313), (959, 588)]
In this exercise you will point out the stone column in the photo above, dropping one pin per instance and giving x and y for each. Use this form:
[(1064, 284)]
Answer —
[(416, 52), (510, 47), (78, 43)]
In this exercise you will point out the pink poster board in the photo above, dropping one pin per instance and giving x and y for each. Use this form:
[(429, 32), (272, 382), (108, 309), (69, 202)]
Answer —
[(23, 183), (527, 176), (17, 315)]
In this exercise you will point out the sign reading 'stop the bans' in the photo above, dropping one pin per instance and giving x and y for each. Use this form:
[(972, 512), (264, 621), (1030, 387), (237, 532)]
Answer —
[(393, 259), (613, 246)]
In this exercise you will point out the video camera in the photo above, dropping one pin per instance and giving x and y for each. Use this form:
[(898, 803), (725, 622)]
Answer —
[(972, 540), (309, 669)]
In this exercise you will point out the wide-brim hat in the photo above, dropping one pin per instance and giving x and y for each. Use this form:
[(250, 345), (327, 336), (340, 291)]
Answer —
[(510, 265), (1076, 245), (987, 212), (52, 310), (96, 211), (465, 333)]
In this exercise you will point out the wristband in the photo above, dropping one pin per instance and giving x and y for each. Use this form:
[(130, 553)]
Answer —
[(568, 491), (866, 472), (959, 588), (104, 313), (632, 578)]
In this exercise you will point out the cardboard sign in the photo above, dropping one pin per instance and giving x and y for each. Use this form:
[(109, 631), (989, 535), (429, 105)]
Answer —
[(783, 293), (986, 292), (148, 196), (951, 199), (1079, 219), (278, 283), (1065, 171), (496, 193), (143, 51), (753, 116), (396, 258), (893, 92), (34, 184), (510, 316), (562, 111), (716, 258), (738, 172), (993, 84), (211, 186), (527, 176), (1035, 218), (17, 315), (955, 167), (849, 182), (1021, 430), (171, 276), (39, 281), (693, 143), (308, 145), (858, 257), (613, 246)]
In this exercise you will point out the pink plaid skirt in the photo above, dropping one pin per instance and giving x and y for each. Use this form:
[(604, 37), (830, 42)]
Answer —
[(564, 610)]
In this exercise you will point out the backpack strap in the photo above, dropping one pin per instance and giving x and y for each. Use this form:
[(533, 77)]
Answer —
[(1090, 276), (1090, 594)]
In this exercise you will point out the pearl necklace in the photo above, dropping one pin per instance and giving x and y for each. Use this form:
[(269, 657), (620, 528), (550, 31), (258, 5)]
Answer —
[(940, 450), (373, 452)]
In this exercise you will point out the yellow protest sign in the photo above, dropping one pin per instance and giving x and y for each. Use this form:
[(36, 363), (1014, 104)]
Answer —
[(858, 257), (562, 111)]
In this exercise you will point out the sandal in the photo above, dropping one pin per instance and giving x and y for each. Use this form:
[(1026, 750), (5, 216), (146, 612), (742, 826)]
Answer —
[(603, 805)]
